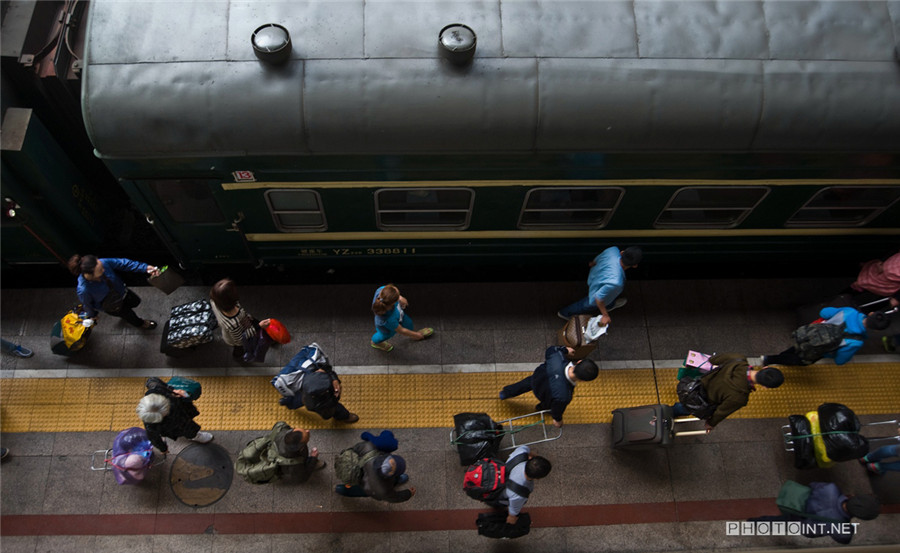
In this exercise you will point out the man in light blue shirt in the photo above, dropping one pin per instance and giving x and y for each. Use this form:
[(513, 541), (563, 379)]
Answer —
[(522, 477), (606, 281)]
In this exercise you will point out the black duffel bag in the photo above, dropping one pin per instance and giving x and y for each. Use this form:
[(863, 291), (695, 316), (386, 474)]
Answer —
[(493, 525), (804, 453), (477, 437), (840, 426)]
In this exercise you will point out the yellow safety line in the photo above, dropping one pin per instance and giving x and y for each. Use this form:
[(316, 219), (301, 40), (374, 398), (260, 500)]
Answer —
[(422, 400)]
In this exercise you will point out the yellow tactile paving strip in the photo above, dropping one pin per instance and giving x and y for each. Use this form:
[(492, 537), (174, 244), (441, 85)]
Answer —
[(421, 400)]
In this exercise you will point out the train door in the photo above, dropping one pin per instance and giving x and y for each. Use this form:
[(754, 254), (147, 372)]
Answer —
[(187, 216)]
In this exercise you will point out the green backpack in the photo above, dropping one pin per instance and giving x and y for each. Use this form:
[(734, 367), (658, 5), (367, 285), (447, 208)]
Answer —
[(348, 465), (259, 462), (792, 498)]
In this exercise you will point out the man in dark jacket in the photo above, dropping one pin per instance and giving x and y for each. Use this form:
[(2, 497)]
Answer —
[(827, 505), (729, 386), (381, 474), (553, 381)]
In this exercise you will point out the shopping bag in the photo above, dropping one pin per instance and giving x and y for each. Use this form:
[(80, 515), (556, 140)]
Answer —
[(168, 280)]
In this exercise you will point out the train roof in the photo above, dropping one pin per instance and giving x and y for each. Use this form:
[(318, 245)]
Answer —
[(173, 79)]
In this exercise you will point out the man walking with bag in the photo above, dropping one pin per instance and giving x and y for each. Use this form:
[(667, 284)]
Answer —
[(606, 280), (728, 387)]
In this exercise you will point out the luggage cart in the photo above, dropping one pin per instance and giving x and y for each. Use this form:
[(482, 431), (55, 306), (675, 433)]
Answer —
[(511, 426)]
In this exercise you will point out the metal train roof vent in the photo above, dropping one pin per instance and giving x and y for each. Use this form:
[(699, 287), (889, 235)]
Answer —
[(271, 43), (457, 43)]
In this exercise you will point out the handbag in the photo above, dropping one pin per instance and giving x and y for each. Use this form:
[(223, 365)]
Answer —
[(191, 387), (693, 397), (168, 280), (69, 334)]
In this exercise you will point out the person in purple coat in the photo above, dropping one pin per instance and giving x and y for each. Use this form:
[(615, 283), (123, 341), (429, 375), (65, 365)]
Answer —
[(101, 289)]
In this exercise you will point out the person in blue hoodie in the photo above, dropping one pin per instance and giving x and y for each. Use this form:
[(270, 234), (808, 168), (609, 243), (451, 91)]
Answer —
[(553, 381), (855, 326), (101, 289)]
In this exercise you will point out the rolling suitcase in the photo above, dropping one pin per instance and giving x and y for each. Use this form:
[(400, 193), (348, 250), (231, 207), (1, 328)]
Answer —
[(647, 426)]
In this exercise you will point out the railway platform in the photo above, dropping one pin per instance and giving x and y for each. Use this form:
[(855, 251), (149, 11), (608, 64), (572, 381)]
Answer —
[(57, 411)]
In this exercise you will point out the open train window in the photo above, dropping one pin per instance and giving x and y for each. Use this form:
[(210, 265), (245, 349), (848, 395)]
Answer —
[(296, 210), (710, 206), (188, 200), (423, 208), (569, 208), (844, 206)]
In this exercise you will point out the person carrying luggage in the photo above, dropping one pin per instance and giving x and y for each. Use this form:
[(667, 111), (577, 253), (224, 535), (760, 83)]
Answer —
[(242, 332), (837, 334), (101, 289), (169, 413), (371, 469), (308, 380), (553, 381), (281, 454), (823, 509), (728, 388), (511, 492), (606, 280)]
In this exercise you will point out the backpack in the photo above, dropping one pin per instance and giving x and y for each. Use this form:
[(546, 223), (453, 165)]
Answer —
[(693, 396), (792, 499), (814, 340), (486, 479), (308, 360), (348, 465), (259, 461), (317, 394)]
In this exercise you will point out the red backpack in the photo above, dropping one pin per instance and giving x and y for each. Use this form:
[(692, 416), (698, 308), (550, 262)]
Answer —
[(487, 478)]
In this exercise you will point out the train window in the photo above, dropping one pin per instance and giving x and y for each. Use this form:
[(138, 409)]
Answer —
[(580, 207), (423, 208), (296, 210), (844, 206), (710, 206), (188, 200)]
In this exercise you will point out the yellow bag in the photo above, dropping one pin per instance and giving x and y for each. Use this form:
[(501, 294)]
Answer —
[(72, 329), (822, 458)]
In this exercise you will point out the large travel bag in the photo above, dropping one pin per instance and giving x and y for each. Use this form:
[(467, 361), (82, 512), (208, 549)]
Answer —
[(190, 325), (647, 426)]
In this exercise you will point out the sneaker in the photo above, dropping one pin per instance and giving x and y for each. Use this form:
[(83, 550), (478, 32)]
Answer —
[(383, 346), (874, 468), (351, 419), (426, 332), (618, 303), (203, 437), (863, 460), (149, 325), (22, 351)]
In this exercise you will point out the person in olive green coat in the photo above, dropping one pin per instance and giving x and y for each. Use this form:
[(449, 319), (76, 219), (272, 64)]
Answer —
[(730, 385)]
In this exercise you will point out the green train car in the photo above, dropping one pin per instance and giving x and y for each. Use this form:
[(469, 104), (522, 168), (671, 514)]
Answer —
[(755, 132)]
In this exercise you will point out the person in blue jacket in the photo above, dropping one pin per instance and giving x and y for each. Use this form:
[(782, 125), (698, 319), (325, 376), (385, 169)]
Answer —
[(101, 289), (606, 280), (553, 381), (855, 326)]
